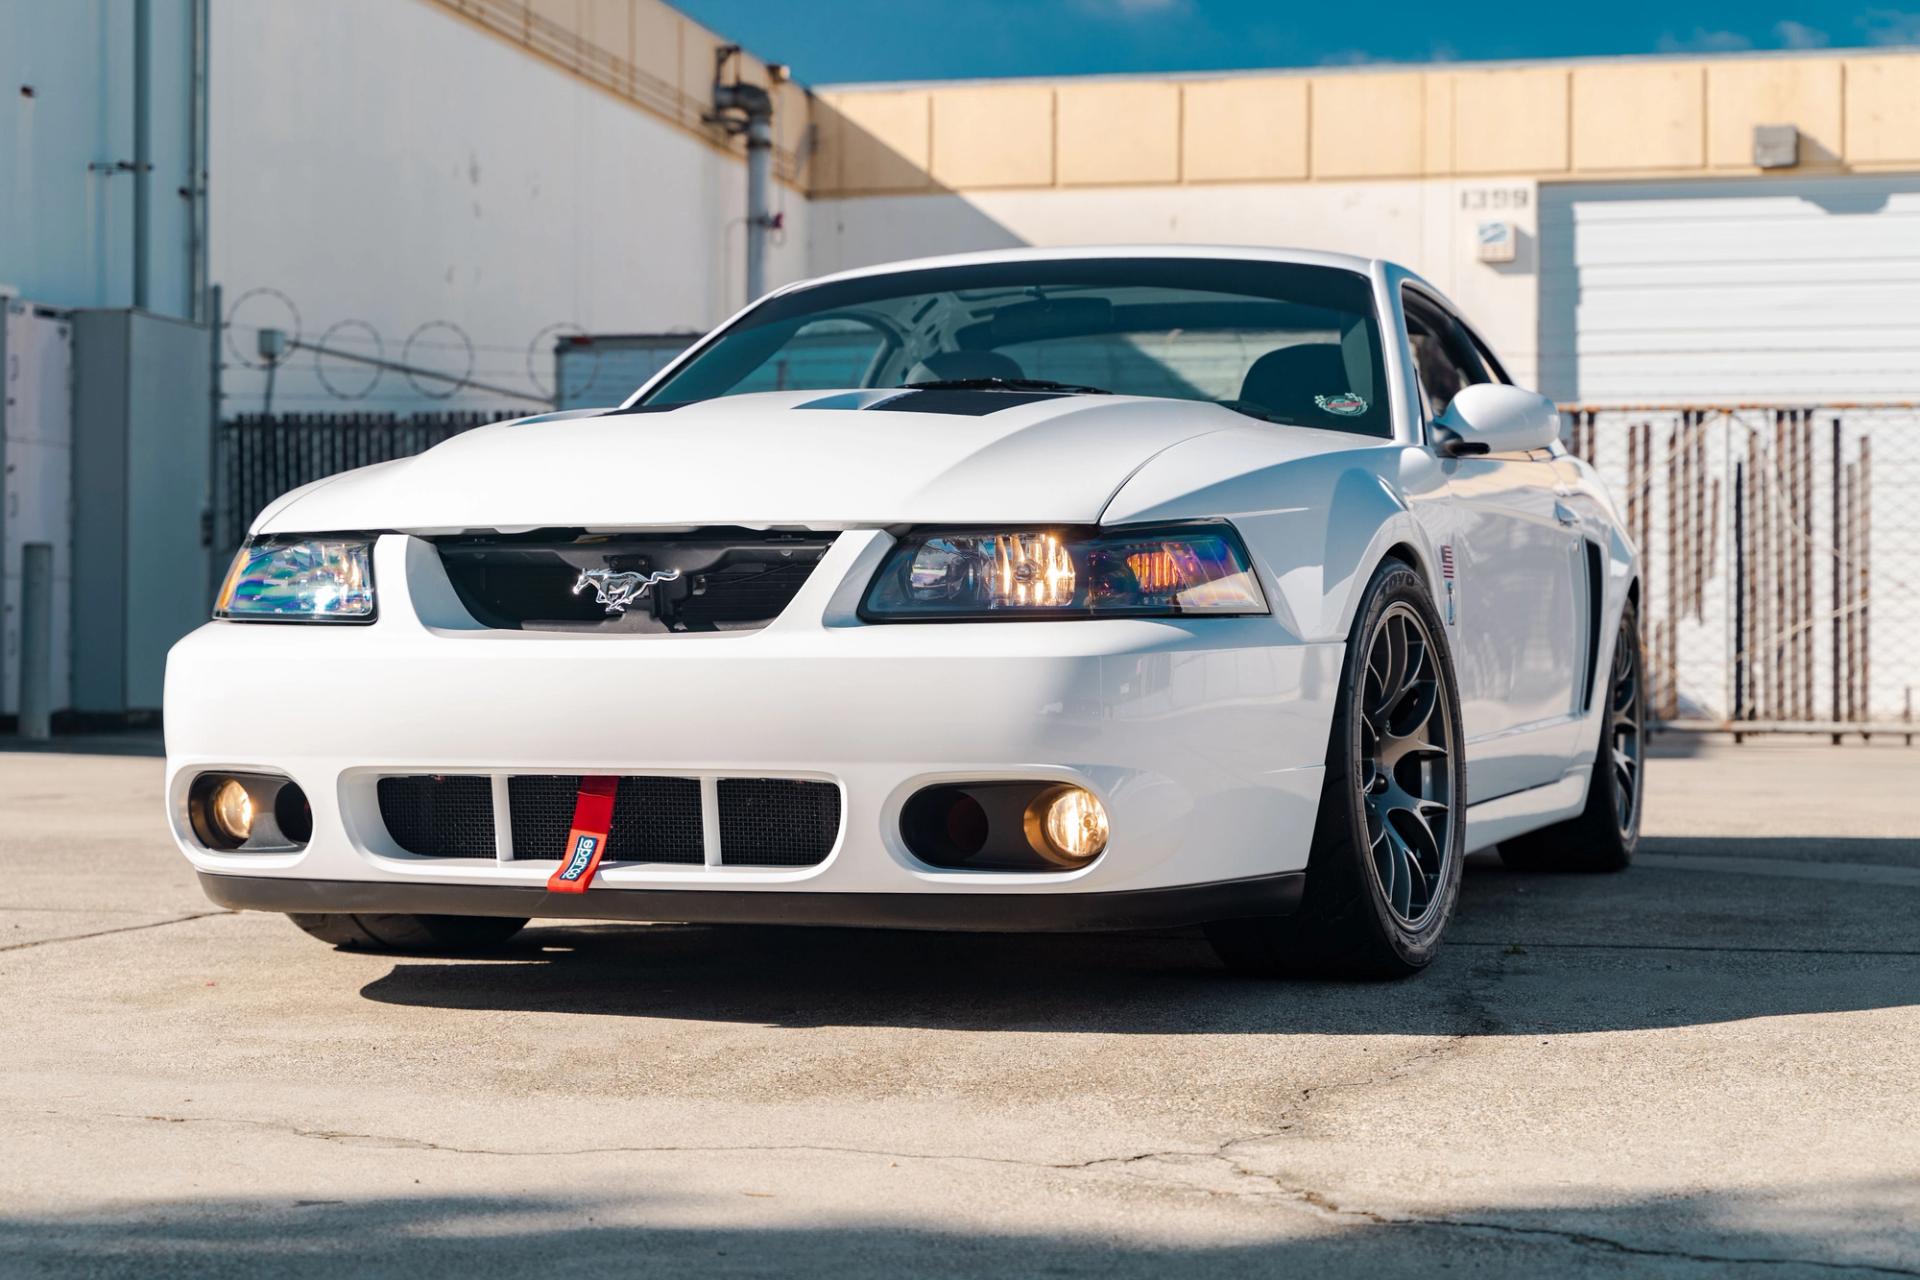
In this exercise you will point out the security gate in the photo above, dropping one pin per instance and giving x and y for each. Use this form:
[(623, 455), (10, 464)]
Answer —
[(1781, 546)]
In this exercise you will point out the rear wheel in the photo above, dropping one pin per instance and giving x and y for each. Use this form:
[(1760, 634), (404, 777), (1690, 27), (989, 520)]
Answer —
[(1384, 869), (410, 933), (1603, 836)]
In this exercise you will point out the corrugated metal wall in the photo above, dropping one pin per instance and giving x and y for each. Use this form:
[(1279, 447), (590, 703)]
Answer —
[(1799, 290)]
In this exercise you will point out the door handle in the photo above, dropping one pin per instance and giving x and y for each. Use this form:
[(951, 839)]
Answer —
[(1564, 515)]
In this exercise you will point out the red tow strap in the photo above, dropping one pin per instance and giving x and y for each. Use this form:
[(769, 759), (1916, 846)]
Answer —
[(587, 841)]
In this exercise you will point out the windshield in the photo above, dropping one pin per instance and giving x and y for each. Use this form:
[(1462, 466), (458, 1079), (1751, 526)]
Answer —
[(1282, 342)]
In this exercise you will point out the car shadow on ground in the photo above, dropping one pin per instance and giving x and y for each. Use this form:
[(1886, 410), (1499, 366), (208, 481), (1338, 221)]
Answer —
[(550, 1235), (1529, 954)]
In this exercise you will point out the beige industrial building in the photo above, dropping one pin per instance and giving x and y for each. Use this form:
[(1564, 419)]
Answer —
[(1643, 229)]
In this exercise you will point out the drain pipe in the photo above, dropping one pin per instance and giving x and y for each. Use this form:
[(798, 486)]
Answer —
[(742, 108), (198, 269), (142, 145), (759, 168)]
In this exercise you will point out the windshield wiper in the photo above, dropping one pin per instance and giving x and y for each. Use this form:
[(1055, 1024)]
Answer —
[(1247, 407), (1005, 384)]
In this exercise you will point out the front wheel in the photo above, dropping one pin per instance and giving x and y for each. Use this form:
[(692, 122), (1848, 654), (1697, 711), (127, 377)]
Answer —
[(407, 933), (1384, 869)]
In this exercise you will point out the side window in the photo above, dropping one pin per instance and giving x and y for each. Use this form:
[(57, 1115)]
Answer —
[(1494, 367), (1442, 353)]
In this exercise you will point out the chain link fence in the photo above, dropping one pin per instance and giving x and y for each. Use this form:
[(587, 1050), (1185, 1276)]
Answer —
[(1781, 588)]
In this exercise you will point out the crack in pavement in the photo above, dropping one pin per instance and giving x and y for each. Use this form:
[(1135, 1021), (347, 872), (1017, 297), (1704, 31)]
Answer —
[(102, 933), (1273, 1189), (1326, 1207), (1166, 1169)]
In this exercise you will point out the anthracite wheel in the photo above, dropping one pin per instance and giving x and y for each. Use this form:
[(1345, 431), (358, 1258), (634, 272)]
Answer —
[(1384, 870), (1605, 834), (1406, 784), (1625, 735), (384, 932)]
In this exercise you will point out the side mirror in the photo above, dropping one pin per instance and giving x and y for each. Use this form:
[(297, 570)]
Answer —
[(1491, 417)]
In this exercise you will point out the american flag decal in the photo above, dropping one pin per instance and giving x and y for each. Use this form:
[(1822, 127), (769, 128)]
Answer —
[(1446, 562)]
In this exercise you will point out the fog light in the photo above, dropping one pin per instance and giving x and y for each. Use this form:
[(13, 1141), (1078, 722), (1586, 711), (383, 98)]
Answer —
[(1067, 825), (231, 810)]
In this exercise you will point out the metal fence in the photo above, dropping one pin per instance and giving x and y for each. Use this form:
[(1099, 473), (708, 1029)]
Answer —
[(260, 456), (1782, 559)]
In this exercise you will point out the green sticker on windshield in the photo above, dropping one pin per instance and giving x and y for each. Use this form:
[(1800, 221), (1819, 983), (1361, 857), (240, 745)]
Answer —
[(1346, 404)]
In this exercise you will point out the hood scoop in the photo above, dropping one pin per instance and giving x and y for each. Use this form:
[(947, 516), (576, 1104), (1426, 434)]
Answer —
[(963, 402)]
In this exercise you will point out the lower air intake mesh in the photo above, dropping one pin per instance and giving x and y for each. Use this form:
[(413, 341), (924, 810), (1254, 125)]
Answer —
[(657, 820), (439, 816), (777, 822), (542, 809), (654, 819)]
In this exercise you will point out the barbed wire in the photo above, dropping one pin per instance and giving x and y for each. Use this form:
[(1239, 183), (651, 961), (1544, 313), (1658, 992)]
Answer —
[(369, 347)]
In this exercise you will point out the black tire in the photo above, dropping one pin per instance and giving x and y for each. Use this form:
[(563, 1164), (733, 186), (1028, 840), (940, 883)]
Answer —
[(1357, 920), (453, 934), (1605, 833)]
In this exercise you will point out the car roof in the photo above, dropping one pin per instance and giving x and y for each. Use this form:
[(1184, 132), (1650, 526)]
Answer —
[(1241, 253)]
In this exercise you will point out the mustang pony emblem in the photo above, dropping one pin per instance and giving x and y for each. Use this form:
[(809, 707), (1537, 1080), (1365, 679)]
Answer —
[(618, 590)]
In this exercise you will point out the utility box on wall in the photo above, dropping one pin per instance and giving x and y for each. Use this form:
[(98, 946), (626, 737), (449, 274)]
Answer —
[(36, 454), (142, 469)]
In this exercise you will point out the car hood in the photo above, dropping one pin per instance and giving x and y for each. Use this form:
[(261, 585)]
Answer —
[(807, 459)]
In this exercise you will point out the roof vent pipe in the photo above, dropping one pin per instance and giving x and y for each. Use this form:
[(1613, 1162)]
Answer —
[(742, 108)]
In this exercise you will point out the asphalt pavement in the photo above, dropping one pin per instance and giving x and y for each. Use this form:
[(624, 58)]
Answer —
[(1709, 1065)]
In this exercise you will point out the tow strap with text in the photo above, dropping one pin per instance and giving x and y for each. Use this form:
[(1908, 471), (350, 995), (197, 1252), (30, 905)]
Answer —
[(587, 841)]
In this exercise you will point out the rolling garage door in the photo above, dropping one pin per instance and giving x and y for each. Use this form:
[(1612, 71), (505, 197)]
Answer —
[(1801, 290)]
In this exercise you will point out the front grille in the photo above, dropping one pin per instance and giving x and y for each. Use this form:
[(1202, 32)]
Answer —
[(764, 822), (777, 822), (721, 579), (654, 819), (439, 816)]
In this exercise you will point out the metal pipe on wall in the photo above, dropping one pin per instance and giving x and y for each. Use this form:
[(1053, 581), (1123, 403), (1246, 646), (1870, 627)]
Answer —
[(199, 305), (746, 109), (759, 218), (142, 145)]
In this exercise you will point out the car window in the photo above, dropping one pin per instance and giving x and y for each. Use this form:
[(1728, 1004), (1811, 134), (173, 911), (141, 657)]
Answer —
[(1495, 369), (1442, 353), (832, 350), (1287, 343)]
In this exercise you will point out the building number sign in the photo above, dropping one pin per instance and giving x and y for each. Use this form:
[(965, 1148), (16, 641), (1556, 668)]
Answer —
[(1483, 199)]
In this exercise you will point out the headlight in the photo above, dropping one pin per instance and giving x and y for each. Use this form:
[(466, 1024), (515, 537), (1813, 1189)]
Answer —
[(322, 580), (1065, 573)]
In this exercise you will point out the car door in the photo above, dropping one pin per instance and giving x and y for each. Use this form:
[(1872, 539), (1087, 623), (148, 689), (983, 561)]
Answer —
[(1517, 639)]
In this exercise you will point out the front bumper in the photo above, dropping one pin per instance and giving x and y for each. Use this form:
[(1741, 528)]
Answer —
[(1205, 739)]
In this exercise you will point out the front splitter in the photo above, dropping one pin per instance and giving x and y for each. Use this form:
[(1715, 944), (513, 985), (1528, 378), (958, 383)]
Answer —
[(1274, 895)]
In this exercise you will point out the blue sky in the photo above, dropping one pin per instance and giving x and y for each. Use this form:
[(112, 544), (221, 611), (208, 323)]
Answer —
[(837, 41)]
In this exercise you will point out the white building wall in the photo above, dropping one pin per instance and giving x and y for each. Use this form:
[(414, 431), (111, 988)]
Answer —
[(66, 127), (386, 166), (1429, 226)]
